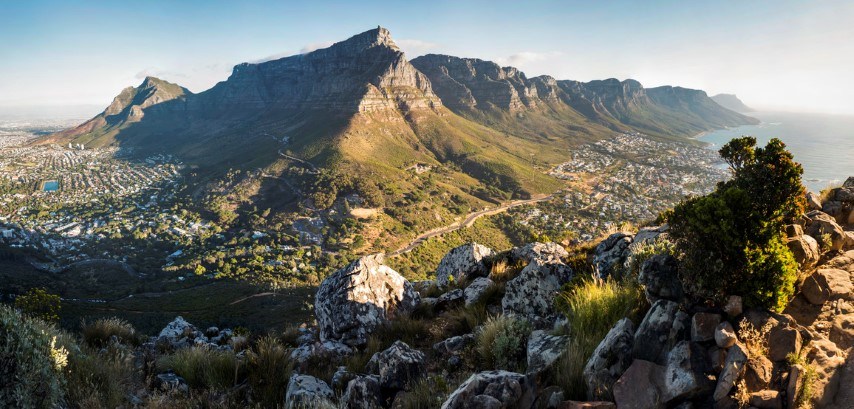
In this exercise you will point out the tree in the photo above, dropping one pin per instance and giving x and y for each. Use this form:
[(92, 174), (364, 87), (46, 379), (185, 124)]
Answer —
[(40, 304), (731, 241)]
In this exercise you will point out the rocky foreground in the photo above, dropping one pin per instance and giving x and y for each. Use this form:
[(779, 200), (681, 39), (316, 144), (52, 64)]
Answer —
[(679, 353)]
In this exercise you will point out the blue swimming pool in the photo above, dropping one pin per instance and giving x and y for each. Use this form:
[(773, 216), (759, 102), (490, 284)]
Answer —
[(51, 186)]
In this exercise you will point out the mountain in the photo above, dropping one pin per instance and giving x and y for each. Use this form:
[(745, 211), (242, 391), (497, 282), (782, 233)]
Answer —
[(731, 102)]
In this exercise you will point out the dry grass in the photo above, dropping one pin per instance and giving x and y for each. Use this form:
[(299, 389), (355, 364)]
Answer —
[(502, 342), (755, 340), (204, 367), (269, 368), (99, 333)]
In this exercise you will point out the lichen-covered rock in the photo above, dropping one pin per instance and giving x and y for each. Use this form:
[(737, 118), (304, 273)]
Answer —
[(609, 360), (477, 289), (531, 294), (397, 366), (358, 298), (180, 334), (686, 374), (450, 299), (539, 251), (307, 391), (363, 392), (463, 262), (544, 350), (659, 331), (660, 278), (493, 390), (736, 358), (326, 350), (611, 253), (455, 344)]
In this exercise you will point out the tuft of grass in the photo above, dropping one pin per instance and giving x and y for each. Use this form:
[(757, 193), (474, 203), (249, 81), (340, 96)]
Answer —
[(804, 398), (269, 368), (592, 306), (98, 334), (289, 335), (503, 270), (824, 195), (99, 379), (459, 321), (502, 343), (204, 367), (427, 393), (755, 340)]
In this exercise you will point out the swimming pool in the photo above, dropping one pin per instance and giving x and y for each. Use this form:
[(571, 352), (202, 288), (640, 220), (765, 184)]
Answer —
[(50, 186)]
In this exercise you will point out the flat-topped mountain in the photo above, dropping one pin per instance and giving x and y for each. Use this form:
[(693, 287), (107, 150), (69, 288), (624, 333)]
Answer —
[(731, 102)]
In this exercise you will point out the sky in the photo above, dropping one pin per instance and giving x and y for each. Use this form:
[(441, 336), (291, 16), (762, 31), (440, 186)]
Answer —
[(775, 55)]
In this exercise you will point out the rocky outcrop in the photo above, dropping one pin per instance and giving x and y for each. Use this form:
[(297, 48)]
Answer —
[(547, 252), (531, 294), (663, 326), (610, 255), (544, 350), (307, 391), (493, 389), (477, 289), (609, 361), (463, 263), (397, 366), (358, 298), (660, 278), (820, 225), (362, 392)]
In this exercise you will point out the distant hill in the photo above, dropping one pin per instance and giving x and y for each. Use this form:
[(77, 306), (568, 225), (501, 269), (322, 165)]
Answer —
[(731, 102)]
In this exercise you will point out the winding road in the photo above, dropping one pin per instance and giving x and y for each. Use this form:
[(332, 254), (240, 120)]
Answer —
[(467, 222)]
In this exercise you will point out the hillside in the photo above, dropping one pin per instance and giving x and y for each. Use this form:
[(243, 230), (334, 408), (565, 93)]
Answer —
[(731, 102)]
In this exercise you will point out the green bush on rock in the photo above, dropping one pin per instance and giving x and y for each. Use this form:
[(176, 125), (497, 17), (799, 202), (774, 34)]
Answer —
[(502, 343), (731, 241)]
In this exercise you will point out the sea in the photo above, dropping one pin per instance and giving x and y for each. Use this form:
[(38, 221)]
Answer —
[(822, 144)]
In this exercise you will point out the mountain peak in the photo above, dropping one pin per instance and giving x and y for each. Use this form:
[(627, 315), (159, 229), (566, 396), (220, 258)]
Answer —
[(378, 37), (731, 102)]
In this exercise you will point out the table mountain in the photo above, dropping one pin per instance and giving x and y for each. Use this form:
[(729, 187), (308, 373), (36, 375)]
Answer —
[(731, 102)]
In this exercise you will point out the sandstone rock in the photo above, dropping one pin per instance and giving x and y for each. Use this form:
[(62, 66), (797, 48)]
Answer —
[(733, 307), (307, 391), (477, 289), (827, 284), (640, 387), (725, 336), (450, 299), (782, 341), (531, 294), (658, 332), (362, 392), (827, 359), (793, 387), (842, 331), (736, 359), (544, 350), (358, 298), (813, 201), (820, 223), (844, 194), (609, 360), (462, 263), (717, 359), (686, 373), (757, 373), (610, 255), (545, 252), (647, 235), (397, 366), (805, 249), (660, 277), (179, 334), (767, 399), (493, 389), (454, 344), (703, 326)]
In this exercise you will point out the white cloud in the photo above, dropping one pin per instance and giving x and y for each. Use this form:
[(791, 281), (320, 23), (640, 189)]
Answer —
[(415, 48), (525, 57), (315, 46)]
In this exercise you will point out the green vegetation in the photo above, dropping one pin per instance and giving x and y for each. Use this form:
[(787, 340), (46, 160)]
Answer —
[(269, 368), (731, 241), (100, 333), (40, 304), (502, 343), (204, 368)]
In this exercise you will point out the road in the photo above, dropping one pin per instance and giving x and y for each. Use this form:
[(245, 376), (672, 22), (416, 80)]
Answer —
[(467, 222)]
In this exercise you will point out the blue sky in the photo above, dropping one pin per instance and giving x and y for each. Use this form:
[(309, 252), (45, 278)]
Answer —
[(794, 55)]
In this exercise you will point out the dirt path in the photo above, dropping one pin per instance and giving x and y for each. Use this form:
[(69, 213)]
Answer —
[(467, 222)]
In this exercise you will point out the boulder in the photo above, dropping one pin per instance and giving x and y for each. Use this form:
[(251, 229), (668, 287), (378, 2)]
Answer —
[(827, 284), (462, 263), (397, 366), (660, 329), (805, 249), (793, 387), (827, 360), (844, 194), (544, 350), (820, 224), (531, 294), (660, 278), (842, 331), (180, 334), (782, 341), (736, 359), (307, 391), (477, 289), (539, 251), (640, 387), (757, 373), (169, 382), (717, 359), (363, 392), (733, 306), (341, 378), (326, 350), (352, 302), (813, 201), (725, 336), (493, 389), (609, 360), (648, 235), (455, 344), (450, 299), (703, 326), (767, 399), (610, 255), (794, 230), (686, 374)]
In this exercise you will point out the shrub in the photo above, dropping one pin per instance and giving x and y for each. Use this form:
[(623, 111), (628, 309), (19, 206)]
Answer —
[(502, 343), (642, 252), (40, 304), (99, 333), (269, 368), (99, 379), (204, 367), (30, 362), (730, 241), (810, 375)]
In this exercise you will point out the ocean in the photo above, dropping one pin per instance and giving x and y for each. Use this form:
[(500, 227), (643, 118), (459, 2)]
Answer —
[(822, 144)]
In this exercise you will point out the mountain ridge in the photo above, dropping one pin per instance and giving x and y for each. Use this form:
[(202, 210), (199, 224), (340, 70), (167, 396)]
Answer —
[(732, 102)]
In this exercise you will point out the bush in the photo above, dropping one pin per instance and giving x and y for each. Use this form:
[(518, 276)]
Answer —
[(204, 367), (269, 368), (502, 343), (30, 363), (730, 241), (99, 379), (99, 333), (592, 307), (40, 304)]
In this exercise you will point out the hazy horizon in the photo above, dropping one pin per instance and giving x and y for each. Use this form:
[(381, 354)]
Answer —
[(781, 56)]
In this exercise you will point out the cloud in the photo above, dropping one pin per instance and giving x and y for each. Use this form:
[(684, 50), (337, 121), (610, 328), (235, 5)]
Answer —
[(414, 48), (525, 57), (315, 46)]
